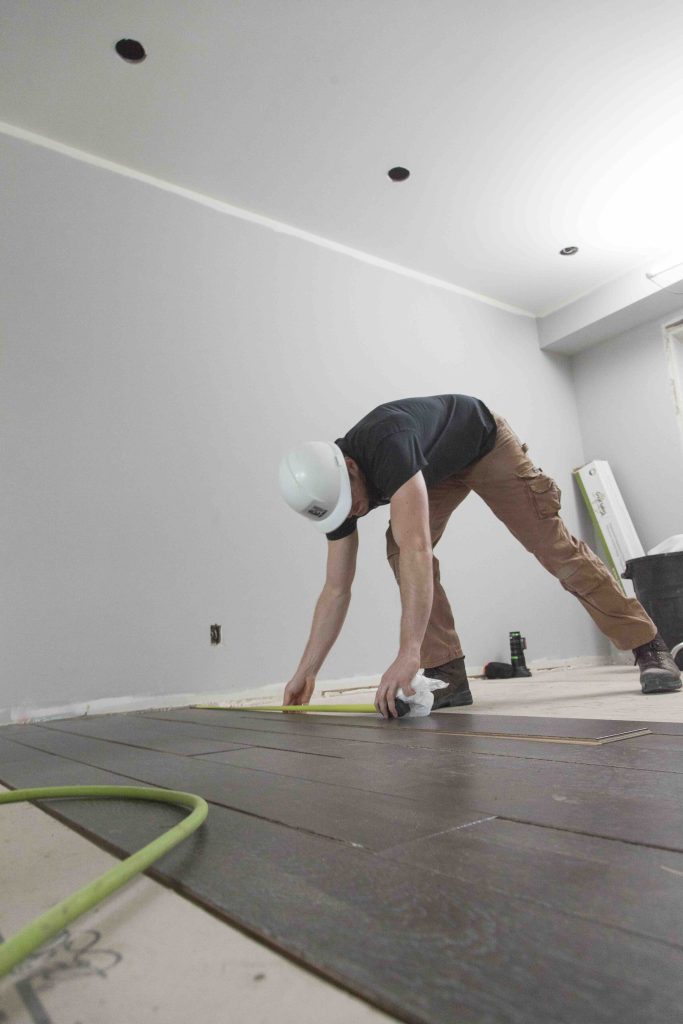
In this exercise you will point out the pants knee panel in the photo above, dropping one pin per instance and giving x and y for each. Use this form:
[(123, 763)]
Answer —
[(586, 579)]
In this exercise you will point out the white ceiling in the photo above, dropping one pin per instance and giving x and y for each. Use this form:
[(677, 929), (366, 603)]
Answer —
[(527, 125)]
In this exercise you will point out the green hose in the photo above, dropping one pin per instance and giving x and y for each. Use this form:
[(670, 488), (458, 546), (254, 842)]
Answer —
[(32, 935)]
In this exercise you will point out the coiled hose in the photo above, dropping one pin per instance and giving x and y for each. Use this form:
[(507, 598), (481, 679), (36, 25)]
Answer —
[(32, 935)]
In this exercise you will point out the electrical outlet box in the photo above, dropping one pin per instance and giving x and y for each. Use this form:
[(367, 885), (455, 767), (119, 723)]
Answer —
[(215, 634)]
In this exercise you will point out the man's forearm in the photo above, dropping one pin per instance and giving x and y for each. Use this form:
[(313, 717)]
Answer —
[(417, 594), (328, 619)]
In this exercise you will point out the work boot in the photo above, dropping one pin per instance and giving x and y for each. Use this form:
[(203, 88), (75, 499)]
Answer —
[(456, 692), (658, 671)]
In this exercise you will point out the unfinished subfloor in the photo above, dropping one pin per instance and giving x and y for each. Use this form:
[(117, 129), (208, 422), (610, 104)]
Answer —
[(517, 861)]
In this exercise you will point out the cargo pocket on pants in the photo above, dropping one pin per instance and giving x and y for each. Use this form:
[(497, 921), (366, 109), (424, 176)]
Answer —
[(545, 494)]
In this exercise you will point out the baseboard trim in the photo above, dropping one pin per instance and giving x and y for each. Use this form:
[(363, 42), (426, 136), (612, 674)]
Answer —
[(26, 714)]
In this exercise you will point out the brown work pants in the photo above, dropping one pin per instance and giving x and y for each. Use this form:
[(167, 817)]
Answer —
[(528, 502)]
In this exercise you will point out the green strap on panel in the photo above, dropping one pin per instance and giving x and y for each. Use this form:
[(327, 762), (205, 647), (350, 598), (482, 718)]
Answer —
[(611, 564)]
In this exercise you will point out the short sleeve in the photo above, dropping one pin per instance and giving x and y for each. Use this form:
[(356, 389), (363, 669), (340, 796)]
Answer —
[(395, 460), (345, 530)]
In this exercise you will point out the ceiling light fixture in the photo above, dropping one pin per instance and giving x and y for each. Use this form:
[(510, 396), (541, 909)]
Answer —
[(130, 50), (569, 250), (399, 173)]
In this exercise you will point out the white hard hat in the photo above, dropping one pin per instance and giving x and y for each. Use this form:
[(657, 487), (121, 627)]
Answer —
[(314, 481)]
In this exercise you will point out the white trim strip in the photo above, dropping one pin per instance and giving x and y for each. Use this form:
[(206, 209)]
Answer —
[(254, 218), (25, 713)]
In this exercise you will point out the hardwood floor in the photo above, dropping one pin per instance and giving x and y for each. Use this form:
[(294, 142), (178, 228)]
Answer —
[(459, 868)]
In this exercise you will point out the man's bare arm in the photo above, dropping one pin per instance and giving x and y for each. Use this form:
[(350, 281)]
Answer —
[(328, 618), (410, 527)]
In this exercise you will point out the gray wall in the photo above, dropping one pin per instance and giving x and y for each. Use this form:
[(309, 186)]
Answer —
[(159, 356), (627, 416)]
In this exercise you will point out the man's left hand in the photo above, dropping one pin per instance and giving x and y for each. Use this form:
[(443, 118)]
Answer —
[(398, 676)]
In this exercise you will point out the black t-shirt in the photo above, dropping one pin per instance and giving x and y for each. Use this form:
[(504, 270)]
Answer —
[(441, 436)]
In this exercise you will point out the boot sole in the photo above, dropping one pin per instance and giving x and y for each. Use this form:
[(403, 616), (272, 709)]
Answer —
[(655, 685), (460, 700), (403, 707)]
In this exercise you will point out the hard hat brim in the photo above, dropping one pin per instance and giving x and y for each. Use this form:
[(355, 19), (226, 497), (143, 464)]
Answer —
[(340, 513)]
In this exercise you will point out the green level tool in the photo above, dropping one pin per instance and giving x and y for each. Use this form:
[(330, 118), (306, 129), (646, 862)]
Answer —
[(342, 709)]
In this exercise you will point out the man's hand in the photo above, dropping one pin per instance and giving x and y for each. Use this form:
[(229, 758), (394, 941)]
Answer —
[(398, 676), (299, 690)]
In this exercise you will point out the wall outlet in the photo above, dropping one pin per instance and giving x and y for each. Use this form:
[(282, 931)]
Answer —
[(215, 634)]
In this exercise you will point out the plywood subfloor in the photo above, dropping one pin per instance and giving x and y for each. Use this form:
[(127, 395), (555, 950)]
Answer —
[(438, 875), (600, 692)]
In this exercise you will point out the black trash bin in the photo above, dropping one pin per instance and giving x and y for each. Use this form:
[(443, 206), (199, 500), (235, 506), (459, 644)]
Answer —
[(658, 582)]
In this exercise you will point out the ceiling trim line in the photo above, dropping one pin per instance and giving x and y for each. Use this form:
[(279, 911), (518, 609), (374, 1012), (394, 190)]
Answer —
[(255, 218)]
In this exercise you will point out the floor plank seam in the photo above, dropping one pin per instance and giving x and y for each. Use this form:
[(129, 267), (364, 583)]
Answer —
[(296, 828), (124, 743), (401, 744), (591, 835), (205, 753), (554, 760), (405, 725), (290, 732), (596, 835), (552, 908), (459, 828), (356, 723), (318, 782), (283, 750), (214, 802)]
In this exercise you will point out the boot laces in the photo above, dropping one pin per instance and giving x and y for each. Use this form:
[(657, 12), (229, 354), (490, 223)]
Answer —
[(655, 649)]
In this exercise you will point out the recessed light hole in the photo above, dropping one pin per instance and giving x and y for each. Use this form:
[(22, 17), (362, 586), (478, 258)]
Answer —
[(399, 173), (130, 50), (569, 250)]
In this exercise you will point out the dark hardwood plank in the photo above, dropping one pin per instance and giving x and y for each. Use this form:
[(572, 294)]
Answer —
[(368, 818), (429, 946), (218, 737), (466, 723), (590, 779), (430, 949), (135, 732), (24, 767), (671, 744), (657, 753), (470, 748), (638, 807), (424, 731), (637, 753), (293, 764), (666, 728), (178, 737), (641, 807), (315, 728), (635, 806), (619, 884)]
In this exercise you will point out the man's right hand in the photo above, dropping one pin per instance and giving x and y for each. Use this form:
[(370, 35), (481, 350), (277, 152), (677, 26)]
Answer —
[(299, 690)]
